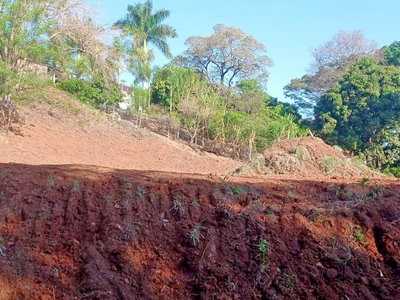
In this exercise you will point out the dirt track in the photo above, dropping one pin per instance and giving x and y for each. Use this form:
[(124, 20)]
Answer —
[(154, 227)]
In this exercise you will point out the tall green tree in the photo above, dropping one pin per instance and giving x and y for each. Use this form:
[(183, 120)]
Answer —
[(361, 113), (145, 27), (392, 53)]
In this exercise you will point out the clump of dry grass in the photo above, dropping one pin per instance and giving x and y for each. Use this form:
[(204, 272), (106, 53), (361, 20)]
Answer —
[(278, 162)]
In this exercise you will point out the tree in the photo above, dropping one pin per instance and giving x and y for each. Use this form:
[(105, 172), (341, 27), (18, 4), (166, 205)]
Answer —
[(144, 28), (361, 113), (171, 84), (392, 53), (49, 32), (330, 61), (227, 56)]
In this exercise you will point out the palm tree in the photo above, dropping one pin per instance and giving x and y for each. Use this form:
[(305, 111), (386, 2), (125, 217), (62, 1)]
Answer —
[(145, 28)]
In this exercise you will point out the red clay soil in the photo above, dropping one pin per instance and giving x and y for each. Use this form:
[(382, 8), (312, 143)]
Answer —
[(108, 211)]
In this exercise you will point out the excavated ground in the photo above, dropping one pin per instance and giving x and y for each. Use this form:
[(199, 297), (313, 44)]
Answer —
[(91, 208)]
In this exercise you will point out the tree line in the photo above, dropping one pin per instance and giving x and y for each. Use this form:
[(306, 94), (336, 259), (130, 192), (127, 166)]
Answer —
[(216, 88)]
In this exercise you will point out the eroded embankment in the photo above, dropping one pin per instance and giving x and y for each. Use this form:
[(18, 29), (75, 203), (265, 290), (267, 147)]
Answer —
[(76, 232)]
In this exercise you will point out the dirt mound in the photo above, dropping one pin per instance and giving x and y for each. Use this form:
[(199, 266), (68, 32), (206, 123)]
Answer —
[(307, 156)]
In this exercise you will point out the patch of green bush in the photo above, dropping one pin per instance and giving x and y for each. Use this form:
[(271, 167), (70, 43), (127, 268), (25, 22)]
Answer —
[(95, 93)]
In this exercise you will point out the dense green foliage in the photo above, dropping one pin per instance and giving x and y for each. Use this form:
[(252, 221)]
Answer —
[(361, 113), (244, 116), (392, 54), (95, 93)]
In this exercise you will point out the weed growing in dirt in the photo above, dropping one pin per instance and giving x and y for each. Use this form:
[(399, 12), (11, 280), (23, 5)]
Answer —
[(195, 203), (239, 190), (364, 182), (262, 246), (107, 198), (194, 235), (2, 248), (377, 191), (140, 192), (41, 212), (75, 186), (271, 210), (177, 207), (287, 280), (359, 236), (50, 181)]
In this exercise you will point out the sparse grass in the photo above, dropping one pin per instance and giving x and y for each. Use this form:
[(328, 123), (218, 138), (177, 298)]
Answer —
[(107, 198), (195, 235), (41, 212), (75, 186), (2, 247), (50, 181), (377, 191), (195, 203), (287, 280), (279, 162), (328, 164), (177, 207), (271, 210), (140, 193), (301, 153)]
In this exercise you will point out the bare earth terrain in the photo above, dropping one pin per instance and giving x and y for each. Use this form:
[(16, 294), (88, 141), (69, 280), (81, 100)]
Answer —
[(92, 208)]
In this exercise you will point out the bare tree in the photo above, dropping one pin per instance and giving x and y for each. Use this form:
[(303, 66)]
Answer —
[(227, 56), (334, 58), (331, 61)]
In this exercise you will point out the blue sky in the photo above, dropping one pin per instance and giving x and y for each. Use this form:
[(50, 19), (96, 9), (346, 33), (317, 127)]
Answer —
[(288, 28)]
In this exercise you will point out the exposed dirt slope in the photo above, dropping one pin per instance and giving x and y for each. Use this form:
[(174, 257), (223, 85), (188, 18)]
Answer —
[(59, 130), (126, 228)]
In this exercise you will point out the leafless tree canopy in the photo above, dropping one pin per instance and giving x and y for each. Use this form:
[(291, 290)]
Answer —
[(227, 56), (334, 58)]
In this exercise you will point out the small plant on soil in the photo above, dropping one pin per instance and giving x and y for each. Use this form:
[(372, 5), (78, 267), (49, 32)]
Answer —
[(377, 191), (177, 207), (239, 190), (50, 180), (195, 203), (107, 198), (271, 210), (140, 192), (194, 235), (75, 186), (359, 236), (364, 182), (2, 248), (41, 212), (287, 280), (262, 246)]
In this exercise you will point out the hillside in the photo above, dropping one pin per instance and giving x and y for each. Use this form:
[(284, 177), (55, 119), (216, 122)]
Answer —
[(96, 208)]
